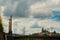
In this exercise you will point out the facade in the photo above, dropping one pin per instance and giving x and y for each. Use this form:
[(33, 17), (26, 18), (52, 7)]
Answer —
[(45, 32)]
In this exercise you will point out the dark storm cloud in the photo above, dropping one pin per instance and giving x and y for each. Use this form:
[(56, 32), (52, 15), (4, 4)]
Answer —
[(21, 9), (41, 16)]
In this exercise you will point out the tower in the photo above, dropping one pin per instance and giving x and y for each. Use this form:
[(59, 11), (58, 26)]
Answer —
[(10, 29), (42, 29), (10, 25)]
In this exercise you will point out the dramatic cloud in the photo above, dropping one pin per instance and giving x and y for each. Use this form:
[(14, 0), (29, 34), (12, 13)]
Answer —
[(36, 8), (44, 9), (45, 12)]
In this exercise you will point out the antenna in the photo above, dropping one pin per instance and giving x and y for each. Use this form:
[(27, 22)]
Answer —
[(24, 30)]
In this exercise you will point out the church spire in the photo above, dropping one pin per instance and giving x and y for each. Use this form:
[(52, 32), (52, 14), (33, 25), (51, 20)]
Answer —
[(42, 29)]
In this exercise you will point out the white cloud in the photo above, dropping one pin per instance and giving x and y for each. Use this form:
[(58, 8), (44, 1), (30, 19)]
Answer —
[(49, 23), (19, 24), (45, 8)]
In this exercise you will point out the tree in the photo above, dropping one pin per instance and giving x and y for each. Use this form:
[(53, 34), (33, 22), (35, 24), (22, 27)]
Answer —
[(1, 29)]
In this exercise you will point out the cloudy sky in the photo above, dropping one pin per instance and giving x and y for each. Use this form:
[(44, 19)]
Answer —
[(31, 14)]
